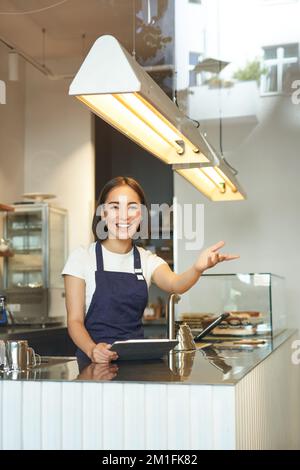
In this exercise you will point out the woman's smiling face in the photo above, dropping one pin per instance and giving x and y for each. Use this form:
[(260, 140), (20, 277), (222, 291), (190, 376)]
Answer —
[(122, 212)]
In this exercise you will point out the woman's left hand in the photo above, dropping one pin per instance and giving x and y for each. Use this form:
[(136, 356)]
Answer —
[(211, 256)]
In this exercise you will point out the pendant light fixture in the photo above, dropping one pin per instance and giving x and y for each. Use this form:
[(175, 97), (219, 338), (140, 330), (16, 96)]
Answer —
[(117, 89), (217, 183)]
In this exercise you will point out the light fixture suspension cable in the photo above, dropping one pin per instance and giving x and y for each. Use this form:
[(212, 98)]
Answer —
[(133, 28), (44, 47), (235, 172), (83, 36), (219, 81)]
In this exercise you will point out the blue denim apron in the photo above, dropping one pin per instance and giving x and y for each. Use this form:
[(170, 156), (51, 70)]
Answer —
[(118, 304)]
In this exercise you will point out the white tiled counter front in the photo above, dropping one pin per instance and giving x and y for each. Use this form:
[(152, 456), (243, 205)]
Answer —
[(255, 405)]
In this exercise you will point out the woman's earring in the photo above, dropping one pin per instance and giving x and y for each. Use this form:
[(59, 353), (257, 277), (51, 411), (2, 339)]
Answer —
[(101, 230)]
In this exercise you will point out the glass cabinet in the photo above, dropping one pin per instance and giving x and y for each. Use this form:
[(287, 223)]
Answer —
[(32, 276), (255, 303)]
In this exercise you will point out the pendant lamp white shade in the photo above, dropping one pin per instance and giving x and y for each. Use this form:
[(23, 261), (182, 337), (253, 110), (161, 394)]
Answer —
[(116, 88)]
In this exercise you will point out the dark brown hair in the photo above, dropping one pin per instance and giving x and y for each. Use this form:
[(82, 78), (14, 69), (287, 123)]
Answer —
[(114, 183)]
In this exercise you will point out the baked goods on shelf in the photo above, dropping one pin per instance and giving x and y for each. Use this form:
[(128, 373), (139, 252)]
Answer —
[(228, 330), (238, 323)]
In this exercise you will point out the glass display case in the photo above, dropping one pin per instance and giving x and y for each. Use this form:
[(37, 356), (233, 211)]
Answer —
[(32, 276), (255, 303)]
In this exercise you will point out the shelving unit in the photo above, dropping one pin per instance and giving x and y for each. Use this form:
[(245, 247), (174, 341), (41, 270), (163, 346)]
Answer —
[(6, 208), (32, 280)]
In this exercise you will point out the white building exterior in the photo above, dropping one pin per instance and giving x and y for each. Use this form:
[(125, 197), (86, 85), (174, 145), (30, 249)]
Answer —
[(236, 31), (260, 137)]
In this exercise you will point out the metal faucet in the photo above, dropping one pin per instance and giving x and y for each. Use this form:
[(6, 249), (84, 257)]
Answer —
[(173, 299), (184, 335)]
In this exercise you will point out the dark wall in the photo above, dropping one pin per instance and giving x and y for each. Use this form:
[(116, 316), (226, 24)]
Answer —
[(116, 155)]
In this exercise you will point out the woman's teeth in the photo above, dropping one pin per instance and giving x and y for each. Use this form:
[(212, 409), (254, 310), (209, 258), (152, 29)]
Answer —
[(123, 225)]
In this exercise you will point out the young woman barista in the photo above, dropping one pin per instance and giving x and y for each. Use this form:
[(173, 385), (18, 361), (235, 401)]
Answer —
[(107, 283)]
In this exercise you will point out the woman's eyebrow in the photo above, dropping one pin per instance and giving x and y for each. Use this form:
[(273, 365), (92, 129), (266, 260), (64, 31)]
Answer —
[(118, 202)]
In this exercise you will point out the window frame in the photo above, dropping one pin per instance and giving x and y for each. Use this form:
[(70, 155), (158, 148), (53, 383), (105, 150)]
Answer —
[(192, 66), (280, 61)]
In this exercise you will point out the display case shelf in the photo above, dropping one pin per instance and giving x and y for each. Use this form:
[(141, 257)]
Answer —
[(27, 251), (6, 208), (6, 254), (24, 231)]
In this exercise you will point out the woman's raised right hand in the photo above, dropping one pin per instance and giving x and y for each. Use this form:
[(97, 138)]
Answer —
[(101, 353)]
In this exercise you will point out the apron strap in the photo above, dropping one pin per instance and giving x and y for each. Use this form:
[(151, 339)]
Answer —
[(136, 261), (137, 264), (99, 256)]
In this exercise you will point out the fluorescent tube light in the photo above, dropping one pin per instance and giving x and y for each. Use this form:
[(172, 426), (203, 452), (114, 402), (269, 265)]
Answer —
[(217, 183)]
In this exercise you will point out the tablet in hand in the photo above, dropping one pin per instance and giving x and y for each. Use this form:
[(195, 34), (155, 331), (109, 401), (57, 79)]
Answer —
[(143, 349)]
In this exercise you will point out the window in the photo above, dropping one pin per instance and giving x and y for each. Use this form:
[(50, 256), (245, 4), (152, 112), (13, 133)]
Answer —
[(194, 59), (280, 62)]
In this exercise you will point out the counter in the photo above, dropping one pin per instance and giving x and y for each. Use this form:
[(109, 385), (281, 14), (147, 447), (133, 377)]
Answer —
[(214, 398), (53, 340), (16, 331), (48, 340)]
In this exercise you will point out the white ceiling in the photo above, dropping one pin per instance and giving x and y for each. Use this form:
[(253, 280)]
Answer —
[(65, 24)]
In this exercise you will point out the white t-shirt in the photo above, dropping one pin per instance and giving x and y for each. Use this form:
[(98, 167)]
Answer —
[(82, 263)]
